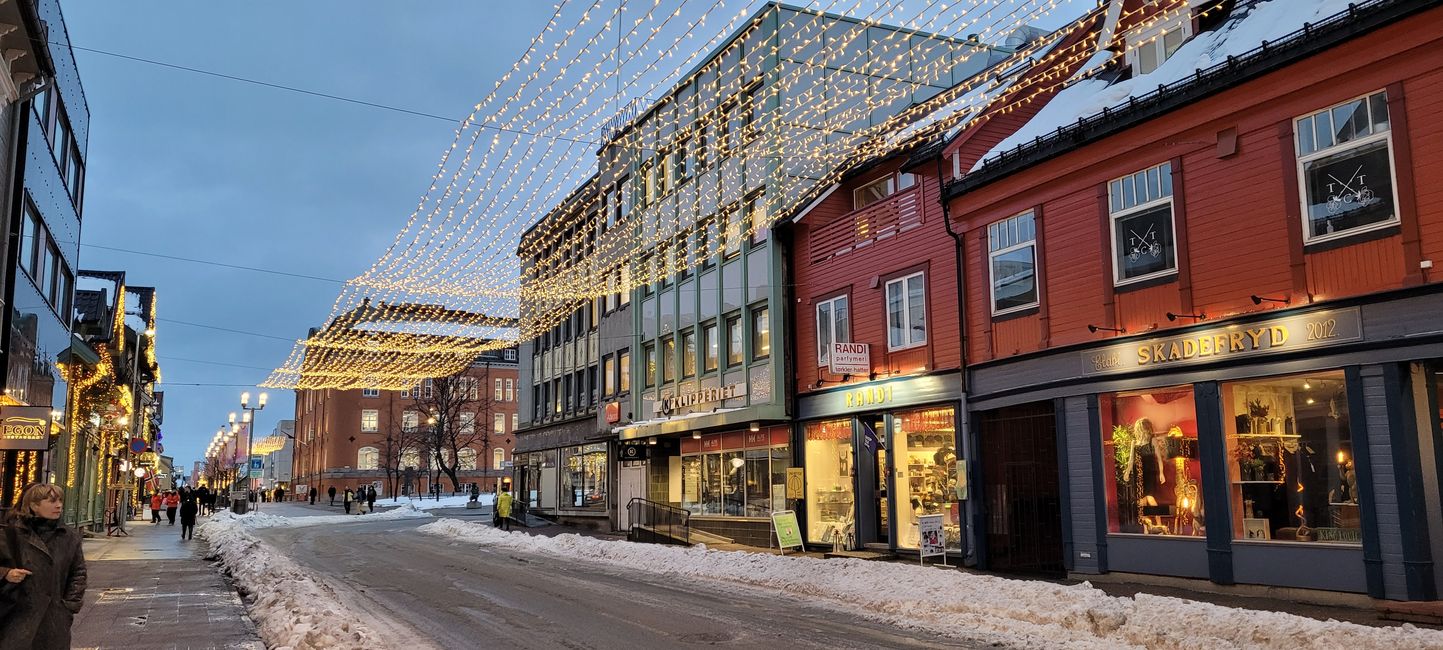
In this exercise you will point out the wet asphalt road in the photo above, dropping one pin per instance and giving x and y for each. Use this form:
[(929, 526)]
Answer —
[(459, 595)]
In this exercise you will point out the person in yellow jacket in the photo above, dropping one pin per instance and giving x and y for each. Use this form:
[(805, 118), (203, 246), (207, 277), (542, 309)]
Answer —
[(503, 508)]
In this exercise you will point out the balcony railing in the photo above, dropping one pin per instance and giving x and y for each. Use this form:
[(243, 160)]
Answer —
[(862, 228)]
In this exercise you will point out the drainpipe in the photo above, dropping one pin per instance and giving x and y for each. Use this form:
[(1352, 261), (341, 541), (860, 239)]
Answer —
[(963, 421)]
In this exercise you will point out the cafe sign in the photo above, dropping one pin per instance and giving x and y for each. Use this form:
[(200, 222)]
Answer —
[(24, 428), (1300, 332)]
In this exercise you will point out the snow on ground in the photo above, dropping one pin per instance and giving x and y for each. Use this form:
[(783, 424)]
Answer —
[(265, 520), (966, 605), (291, 607), (1267, 20), (457, 501)]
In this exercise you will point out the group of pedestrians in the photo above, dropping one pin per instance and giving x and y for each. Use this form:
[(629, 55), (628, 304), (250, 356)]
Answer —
[(185, 501), (364, 498)]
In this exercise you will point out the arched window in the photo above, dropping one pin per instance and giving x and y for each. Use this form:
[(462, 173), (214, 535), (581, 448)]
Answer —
[(468, 459), (368, 458), (411, 458), (498, 458)]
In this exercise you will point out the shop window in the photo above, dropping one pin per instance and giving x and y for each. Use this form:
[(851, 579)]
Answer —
[(735, 345), (583, 484), (832, 327), (688, 354), (831, 468), (1150, 47), (761, 333), (668, 359), (907, 312), (648, 353), (1154, 473), (736, 475), (924, 449), (1345, 166), (711, 347), (1012, 261), (1143, 241), (1290, 457), (368, 458)]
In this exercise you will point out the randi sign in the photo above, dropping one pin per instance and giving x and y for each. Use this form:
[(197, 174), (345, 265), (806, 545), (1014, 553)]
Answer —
[(850, 359)]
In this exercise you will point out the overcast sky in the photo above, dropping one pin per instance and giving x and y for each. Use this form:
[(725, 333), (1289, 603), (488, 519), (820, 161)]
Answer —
[(187, 165)]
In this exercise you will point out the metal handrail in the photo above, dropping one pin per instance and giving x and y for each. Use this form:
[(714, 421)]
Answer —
[(658, 522)]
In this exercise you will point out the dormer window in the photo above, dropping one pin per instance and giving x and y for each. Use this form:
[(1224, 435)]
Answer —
[(1156, 43)]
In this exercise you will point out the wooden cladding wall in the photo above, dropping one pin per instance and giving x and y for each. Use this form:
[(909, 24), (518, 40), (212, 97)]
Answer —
[(917, 243), (1237, 206)]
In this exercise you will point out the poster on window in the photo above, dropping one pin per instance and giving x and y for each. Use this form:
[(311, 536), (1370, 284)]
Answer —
[(1144, 243), (1349, 190), (933, 541)]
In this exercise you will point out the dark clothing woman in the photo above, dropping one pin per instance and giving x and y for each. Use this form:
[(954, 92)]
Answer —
[(53, 592), (188, 510)]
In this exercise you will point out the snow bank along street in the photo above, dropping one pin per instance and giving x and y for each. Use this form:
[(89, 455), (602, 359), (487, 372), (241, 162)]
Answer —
[(956, 603)]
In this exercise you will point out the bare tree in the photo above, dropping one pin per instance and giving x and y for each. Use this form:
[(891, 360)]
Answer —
[(456, 414), (401, 436)]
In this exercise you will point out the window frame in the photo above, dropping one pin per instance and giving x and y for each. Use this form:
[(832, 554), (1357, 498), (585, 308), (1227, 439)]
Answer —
[(736, 353), (668, 358), (757, 354), (374, 457), (375, 420), (992, 256), (1300, 161), (710, 342), (1113, 215), (1152, 37), (650, 371), (688, 360), (623, 371), (824, 355), (901, 280), (370, 392)]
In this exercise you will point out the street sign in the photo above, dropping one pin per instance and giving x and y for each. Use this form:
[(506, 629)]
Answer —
[(789, 534), (137, 445), (257, 464)]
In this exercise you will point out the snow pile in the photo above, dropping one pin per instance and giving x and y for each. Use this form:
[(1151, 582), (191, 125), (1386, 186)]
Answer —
[(969, 606), (1267, 20), (291, 608), (457, 501), (265, 520)]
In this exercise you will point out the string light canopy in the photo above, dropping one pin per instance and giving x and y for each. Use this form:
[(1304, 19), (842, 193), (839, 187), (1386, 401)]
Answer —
[(486, 258)]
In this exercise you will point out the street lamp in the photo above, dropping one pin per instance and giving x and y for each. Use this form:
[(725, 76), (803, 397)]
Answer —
[(250, 411)]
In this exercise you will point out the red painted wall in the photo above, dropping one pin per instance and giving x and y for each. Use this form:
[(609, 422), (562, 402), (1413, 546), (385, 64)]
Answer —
[(1237, 213)]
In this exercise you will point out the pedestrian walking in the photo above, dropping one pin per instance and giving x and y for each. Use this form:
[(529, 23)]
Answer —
[(280, 494), (155, 504), (346, 500), (371, 498), (332, 491), (503, 508), (42, 559), (189, 506), (312, 494), (172, 504)]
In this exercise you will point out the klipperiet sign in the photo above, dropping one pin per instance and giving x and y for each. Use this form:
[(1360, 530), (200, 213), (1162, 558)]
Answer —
[(24, 428), (1287, 334)]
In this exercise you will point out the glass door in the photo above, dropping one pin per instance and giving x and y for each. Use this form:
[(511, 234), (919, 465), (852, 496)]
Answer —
[(874, 450)]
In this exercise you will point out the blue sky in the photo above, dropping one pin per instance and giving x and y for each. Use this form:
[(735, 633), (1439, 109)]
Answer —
[(188, 165)]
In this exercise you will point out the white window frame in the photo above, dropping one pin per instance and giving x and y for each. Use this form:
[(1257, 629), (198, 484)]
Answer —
[(1334, 150), (890, 183), (1014, 246), (497, 393), (429, 385), (1114, 215), (509, 355), (374, 456), (510, 390), (466, 459), (907, 343), (1153, 37), (498, 458), (824, 352), (370, 420), (467, 421), (498, 423), (370, 392), (410, 421)]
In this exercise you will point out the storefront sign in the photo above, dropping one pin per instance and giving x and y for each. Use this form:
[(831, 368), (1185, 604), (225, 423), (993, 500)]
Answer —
[(796, 483), (933, 541), (1298, 332), (880, 395), (701, 396), (613, 412), (634, 452), (24, 428), (789, 534), (869, 396), (850, 359)]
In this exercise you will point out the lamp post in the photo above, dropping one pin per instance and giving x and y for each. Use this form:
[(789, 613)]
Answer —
[(250, 419)]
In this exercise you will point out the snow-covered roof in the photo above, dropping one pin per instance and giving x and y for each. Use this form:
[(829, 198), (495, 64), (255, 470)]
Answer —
[(1248, 26)]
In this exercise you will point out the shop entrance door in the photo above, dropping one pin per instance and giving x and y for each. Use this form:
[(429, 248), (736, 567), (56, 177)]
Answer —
[(875, 481), (631, 483), (1020, 489)]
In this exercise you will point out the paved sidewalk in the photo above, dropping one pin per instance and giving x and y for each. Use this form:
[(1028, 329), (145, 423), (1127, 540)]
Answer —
[(152, 590)]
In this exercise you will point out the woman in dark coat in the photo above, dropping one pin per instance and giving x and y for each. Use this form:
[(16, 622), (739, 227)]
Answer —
[(50, 572), (189, 506)]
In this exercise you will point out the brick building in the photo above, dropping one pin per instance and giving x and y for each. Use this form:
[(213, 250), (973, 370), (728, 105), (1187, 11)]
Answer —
[(348, 438)]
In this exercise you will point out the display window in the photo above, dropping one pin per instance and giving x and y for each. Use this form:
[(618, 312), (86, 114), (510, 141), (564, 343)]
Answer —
[(736, 474), (1150, 450), (924, 450), (583, 484), (1290, 460), (831, 468)]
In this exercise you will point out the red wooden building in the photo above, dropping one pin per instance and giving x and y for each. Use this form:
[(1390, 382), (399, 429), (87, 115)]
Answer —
[(1202, 318)]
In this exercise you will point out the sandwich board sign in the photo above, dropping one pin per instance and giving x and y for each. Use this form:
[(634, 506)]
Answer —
[(789, 534)]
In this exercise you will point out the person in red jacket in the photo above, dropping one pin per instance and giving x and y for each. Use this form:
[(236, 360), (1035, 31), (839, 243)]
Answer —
[(172, 503), (155, 503)]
